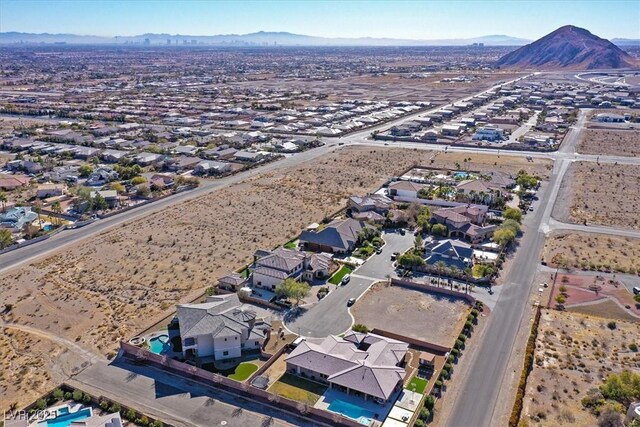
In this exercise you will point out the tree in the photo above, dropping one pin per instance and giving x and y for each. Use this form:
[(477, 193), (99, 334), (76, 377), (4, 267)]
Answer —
[(424, 219), (439, 230), (57, 208), (512, 225), (3, 200), (504, 236), (513, 213), (142, 191), (138, 180), (99, 203), (560, 299), (6, 238), (291, 288), (409, 260), (57, 394), (360, 328), (623, 387), (85, 171), (38, 208), (119, 188), (417, 243), (526, 181)]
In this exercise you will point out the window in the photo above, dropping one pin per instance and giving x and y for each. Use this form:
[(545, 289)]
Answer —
[(189, 341), (225, 339), (225, 353), (257, 343), (236, 338)]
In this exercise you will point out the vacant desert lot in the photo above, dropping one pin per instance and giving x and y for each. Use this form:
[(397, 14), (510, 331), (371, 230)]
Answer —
[(412, 313), (612, 142), (592, 251), (107, 288), (573, 354), (604, 194)]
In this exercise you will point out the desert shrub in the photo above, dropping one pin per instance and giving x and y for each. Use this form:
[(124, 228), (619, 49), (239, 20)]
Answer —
[(57, 395), (157, 423), (633, 346), (623, 387), (429, 402), (41, 404), (609, 418), (419, 423), (104, 405), (130, 414), (360, 328), (612, 325), (425, 414), (77, 395)]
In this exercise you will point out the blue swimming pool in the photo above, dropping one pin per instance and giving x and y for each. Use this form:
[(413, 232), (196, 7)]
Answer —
[(160, 344), (462, 175), (352, 411), (66, 419)]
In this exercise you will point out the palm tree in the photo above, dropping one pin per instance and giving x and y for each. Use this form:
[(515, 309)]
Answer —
[(38, 208), (58, 210), (3, 200), (440, 267)]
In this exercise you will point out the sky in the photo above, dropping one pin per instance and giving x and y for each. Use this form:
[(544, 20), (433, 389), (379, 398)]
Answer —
[(407, 19)]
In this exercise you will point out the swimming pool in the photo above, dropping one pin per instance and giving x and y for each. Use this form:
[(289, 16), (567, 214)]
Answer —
[(352, 411), (461, 175), (66, 419), (160, 344)]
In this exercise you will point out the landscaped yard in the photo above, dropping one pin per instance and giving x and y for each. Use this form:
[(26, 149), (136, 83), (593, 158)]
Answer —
[(243, 371), (336, 278), (296, 388), (239, 373), (417, 384), (292, 244)]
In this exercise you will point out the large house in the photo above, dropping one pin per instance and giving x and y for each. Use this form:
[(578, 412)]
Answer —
[(464, 222), (451, 253), (17, 217), (368, 365), (221, 328), (370, 203), (407, 189), (339, 236), (272, 268)]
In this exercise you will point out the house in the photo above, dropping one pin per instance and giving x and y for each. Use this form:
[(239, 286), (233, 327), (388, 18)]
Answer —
[(451, 130), (24, 165), (369, 216), (146, 159), (211, 167), (465, 222), (112, 156), (488, 134), (246, 156), (270, 269), (17, 217), (109, 196), (160, 181), (367, 365), (407, 189), (49, 190), (609, 118), (339, 236), (221, 328), (450, 252), (182, 163), (12, 182), (371, 202), (101, 176), (231, 282)]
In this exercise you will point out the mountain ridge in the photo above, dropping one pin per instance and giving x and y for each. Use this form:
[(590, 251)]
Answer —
[(568, 47)]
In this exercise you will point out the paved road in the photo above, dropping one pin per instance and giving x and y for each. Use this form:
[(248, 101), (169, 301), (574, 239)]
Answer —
[(330, 316), (177, 400)]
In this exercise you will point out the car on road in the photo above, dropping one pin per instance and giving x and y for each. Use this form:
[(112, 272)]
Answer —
[(379, 251), (345, 280), (351, 302), (636, 290), (394, 256), (530, 208), (402, 232)]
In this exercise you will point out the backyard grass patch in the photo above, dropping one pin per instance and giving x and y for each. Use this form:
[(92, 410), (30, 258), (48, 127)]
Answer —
[(291, 245), (417, 384), (243, 371), (296, 388), (336, 278)]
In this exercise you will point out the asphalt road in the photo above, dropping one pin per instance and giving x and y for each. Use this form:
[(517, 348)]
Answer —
[(330, 316)]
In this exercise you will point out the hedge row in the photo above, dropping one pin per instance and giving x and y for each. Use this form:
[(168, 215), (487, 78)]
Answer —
[(516, 411)]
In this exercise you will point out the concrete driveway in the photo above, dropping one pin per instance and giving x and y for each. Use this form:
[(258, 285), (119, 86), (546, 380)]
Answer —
[(330, 316)]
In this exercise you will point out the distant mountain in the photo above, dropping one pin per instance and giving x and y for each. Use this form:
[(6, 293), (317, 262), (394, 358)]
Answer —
[(626, 42), (260, 38), (568, 47)]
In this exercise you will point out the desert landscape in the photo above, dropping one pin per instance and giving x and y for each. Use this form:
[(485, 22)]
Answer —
[(611, 142), (589, 251), (574, 354), (606, 194), (96, 297)]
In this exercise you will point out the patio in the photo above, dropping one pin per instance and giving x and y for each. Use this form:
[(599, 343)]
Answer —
[(377, 411)]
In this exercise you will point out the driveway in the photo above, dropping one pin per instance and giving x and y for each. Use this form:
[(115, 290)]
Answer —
[(330, 316)]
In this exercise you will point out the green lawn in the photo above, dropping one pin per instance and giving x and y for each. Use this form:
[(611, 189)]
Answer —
[(243, 371), (417, 384), (336, 278), (292, 244), (295, 388)]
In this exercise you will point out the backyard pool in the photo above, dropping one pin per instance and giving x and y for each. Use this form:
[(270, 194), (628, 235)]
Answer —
[(160, 344), (461, 175), (65, 419), (352, 411)]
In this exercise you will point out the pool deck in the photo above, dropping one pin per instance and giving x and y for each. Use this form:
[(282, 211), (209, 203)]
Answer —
[(374, 408)]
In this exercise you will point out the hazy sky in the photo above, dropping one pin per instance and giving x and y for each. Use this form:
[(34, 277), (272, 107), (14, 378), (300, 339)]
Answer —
[(398, 19)]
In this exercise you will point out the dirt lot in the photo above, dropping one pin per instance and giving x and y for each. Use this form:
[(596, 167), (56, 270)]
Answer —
[(592, 252), (604, 194), (118, 283), (611, 142), (573, 353), (410, 312)]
